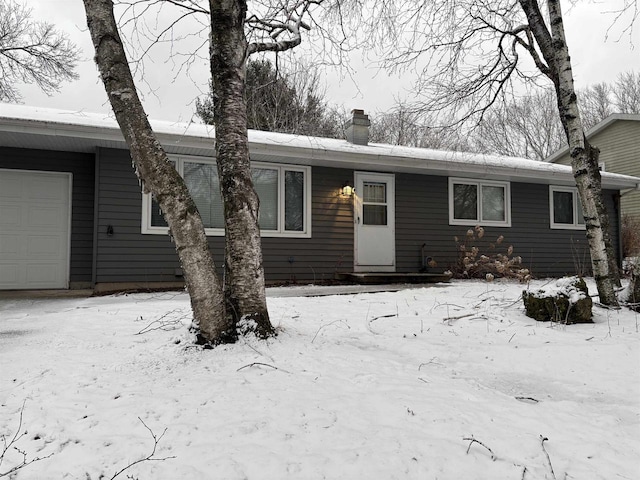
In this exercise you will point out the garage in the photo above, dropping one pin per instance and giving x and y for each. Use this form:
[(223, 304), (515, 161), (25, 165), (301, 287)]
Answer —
[(35, 215)]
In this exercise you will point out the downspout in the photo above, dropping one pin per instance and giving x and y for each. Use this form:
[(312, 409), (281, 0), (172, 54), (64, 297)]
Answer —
[(616, 206), (96, 184)]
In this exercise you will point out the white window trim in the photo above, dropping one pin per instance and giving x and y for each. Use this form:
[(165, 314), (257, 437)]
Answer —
[(478, 221), (148, 229), (565, 226)]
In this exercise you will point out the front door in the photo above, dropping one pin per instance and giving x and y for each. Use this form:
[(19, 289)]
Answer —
[(375, 235)]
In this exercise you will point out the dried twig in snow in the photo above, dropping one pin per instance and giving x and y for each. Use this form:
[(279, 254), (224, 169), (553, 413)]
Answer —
[(11, 444), (472, 440), (150, 457), (542, 440)]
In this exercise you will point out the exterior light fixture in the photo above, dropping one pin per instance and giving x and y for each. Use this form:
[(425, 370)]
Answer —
[(347, 190)]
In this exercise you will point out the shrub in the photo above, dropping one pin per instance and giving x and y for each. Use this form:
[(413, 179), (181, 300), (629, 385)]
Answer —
[(489, 265), (630, 235)]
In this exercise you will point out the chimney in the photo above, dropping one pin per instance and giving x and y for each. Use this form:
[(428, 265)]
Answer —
[(357, 128)]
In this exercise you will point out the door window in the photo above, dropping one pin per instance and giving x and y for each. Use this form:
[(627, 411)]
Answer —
[(374, 203)]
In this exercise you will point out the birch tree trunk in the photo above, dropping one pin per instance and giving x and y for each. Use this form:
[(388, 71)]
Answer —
[(245, 298), (584, 157), (159, 177)]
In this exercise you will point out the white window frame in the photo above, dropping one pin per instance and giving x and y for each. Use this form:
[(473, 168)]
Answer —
[(478, 220), (575, 199), (147, 202)]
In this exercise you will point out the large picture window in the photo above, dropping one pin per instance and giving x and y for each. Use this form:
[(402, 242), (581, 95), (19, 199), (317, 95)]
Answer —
[(284, 192), (565, 208), (473, 202)]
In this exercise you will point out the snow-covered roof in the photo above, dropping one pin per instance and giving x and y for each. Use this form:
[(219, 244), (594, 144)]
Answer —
[(22, 126), (598, 127)]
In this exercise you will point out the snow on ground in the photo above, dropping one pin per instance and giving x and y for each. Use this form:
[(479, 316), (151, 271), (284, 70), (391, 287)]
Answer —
[(365, 386)]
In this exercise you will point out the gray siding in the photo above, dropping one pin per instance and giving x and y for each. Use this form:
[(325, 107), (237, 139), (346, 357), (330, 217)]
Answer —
[(130, 256), (81, 165), (422, 216)]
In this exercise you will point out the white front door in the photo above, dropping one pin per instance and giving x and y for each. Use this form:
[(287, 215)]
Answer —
[(35, 212), (375, 233)]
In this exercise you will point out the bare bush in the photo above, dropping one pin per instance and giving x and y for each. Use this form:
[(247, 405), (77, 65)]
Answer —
[(630, 236), (9, 448), (498, 260)]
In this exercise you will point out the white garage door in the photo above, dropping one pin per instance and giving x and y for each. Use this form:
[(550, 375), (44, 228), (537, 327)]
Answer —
[(34, 229)]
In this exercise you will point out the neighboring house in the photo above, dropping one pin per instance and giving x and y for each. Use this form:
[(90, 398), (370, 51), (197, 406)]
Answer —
[(618, 138), (73, 215)]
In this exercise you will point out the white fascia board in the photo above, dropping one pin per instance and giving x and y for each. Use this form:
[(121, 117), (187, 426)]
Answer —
[(104, 132), (303, 150), (526, 171)]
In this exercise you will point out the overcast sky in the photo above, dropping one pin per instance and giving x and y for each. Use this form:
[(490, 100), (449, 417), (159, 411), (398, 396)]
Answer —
[(595, 59)]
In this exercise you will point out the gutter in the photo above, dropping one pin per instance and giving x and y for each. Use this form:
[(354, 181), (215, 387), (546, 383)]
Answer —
[(326, 152)]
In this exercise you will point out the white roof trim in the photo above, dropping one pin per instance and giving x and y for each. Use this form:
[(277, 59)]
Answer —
[(302, 149)]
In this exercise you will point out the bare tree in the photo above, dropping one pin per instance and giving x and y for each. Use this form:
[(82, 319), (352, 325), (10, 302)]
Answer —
[(595, 104), (159, 177), (626, 92), (468, 56), (32, 52), (556, 65), (404, 125), (527, 126), (280, 99), (233, 35)]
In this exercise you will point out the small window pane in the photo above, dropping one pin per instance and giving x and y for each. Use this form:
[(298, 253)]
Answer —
[(374, 192), (265, 181), (465, 201), (374, 214), (293, 201), (157, 219), (580, 219), (493, 203), (202, 182), (563, 207)]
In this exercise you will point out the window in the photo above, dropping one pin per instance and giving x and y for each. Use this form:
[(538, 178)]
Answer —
[(284, 192), (565, 208), (374, 203), (474, 202)]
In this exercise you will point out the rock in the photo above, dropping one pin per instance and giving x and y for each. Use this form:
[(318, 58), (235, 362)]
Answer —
[(566, 301)]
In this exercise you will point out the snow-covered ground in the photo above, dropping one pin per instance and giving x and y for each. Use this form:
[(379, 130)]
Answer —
[(366, 386)]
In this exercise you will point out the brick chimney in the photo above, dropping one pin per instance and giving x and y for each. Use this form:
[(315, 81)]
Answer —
[(357, 128)]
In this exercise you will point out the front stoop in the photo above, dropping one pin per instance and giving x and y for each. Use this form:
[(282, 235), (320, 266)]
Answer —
[(378, 278)]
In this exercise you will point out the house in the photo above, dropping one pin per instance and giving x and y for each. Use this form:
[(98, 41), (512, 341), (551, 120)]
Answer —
[(618, 138), (73, 215)]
